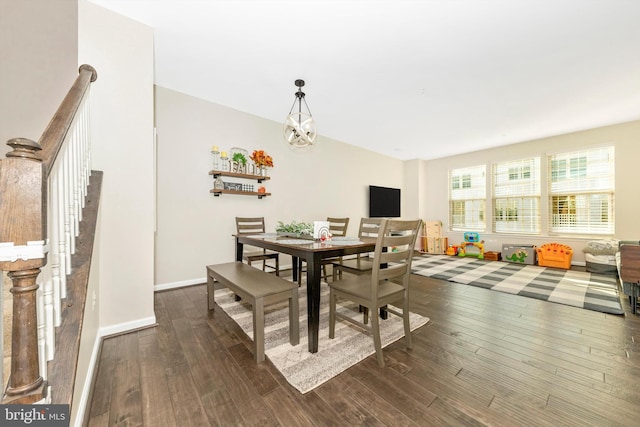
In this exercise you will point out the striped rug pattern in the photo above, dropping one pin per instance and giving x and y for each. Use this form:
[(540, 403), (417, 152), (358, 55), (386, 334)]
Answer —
[(597, 292), (303, 370)]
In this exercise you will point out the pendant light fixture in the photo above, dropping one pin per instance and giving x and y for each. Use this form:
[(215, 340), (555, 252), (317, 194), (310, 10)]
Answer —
[(299, 127)]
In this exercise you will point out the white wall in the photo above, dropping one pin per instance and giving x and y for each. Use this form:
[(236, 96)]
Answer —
[(626, 139), (121, 50), (38, 56), (195, 228), (411, 193)]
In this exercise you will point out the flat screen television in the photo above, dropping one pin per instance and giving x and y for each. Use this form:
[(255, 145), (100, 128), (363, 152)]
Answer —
[(384, 202)]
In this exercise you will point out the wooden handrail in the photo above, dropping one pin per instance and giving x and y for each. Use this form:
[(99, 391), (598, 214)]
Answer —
[(23, 226), (55, 133)]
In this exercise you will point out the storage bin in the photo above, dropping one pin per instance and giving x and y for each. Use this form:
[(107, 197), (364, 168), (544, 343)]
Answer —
[(519, 254)]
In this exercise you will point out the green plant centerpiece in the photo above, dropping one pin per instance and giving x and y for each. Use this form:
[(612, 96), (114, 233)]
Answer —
[(295, 229)]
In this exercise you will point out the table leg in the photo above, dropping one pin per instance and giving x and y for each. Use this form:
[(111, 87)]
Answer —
[(294, 268), (239, 249), (313, 300)]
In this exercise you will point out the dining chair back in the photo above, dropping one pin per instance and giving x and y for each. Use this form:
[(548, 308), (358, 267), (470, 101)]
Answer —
[(387, 284), (338, 228), (362, 263), (253, 226)]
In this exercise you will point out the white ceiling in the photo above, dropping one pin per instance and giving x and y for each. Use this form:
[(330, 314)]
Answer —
[(409, 79)]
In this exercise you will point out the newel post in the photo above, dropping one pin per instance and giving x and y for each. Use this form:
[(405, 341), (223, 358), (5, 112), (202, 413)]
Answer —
[(22, 254)]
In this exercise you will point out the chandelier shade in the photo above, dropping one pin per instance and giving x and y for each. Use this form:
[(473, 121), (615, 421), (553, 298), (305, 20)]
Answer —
[(299, 126)]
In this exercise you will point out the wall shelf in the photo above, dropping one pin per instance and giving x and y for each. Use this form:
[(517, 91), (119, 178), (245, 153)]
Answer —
[(245, 193), (259, 178)]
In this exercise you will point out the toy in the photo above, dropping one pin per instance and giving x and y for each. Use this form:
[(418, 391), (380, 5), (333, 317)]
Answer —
[(452, 250), (555, 255), (472, 239)]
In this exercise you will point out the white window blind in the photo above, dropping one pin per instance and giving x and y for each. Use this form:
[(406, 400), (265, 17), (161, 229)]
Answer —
[(581, 191), (467, 193), (516, 196)]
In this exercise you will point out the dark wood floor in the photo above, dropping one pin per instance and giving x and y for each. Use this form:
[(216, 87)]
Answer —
[(485, 358)]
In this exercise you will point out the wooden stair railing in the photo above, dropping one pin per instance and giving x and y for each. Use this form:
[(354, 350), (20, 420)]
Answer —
[(58, 164)]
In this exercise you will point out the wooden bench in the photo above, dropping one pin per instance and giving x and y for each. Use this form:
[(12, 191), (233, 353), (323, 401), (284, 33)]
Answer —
[(259, 289)]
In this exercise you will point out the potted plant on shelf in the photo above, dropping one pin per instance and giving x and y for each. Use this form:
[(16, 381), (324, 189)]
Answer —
[(239, 162), (262, 161)]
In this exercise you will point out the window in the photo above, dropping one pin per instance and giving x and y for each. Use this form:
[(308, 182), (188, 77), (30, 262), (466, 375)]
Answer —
[(467, 194), (581, 192), (516, 196)]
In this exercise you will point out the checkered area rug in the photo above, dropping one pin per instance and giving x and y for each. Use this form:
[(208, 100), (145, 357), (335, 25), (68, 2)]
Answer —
[(591, 291)]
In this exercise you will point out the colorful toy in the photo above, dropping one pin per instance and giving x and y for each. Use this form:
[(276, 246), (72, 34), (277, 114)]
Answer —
[(555, 255), (472, 239), (452, 250)]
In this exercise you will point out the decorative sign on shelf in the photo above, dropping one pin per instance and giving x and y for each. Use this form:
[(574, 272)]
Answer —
[(236, 186)]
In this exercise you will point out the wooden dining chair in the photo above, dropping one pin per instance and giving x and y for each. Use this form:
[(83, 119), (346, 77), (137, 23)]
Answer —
[(388, 285), (252, 226), (338, 228), (362, 263)]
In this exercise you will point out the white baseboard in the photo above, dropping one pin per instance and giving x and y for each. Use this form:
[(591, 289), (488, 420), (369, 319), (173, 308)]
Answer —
[(181, 284), (88, 383), (127, 326), (198, 281)]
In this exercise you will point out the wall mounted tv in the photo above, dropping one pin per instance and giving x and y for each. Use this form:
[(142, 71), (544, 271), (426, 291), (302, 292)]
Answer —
[(384, 202)]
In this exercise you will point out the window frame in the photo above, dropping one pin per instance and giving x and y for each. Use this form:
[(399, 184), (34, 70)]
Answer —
[(468, 194), (516, 196), (581, 192)]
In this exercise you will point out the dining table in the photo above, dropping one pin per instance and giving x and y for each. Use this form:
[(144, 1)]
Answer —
[(313, 252)]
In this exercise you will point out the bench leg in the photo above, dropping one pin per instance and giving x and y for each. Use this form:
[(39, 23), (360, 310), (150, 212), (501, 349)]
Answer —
[(294, 321), (258, 329), (210, 300)]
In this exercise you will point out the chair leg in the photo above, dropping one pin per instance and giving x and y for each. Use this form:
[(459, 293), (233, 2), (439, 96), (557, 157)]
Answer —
[(332, 314), (299, 271), (377, 344), (407, 325), (294, 318), (278, 266)]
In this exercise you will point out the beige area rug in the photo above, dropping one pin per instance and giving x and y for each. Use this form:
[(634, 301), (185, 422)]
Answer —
[(303, 370)]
